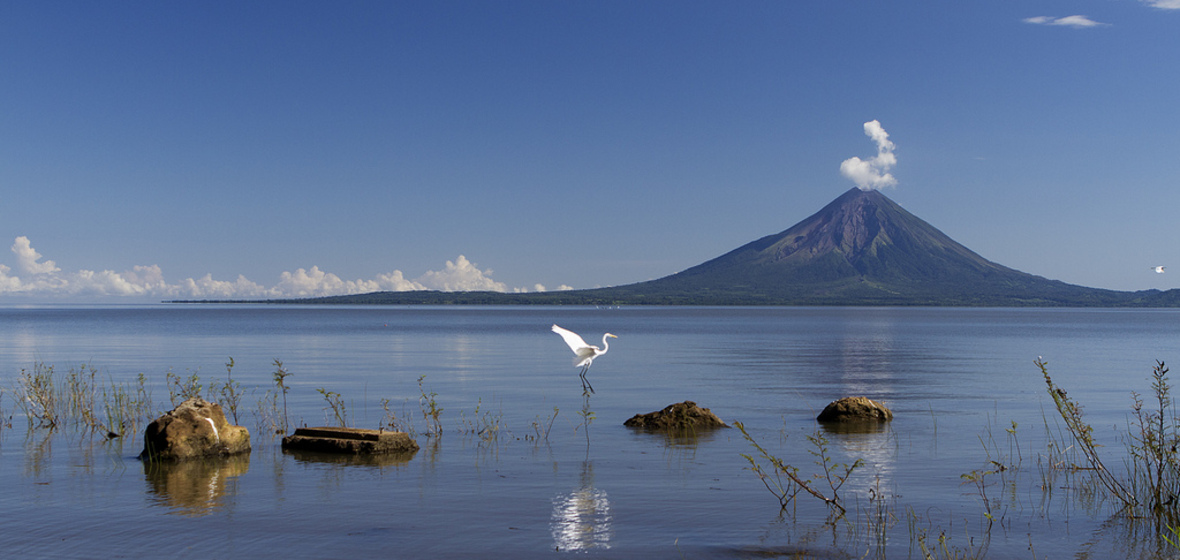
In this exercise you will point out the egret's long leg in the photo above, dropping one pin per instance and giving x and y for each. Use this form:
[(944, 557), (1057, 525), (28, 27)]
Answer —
[(586, 382)]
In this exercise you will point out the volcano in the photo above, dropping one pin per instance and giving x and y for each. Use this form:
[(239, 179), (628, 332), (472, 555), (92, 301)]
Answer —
[(863, 249), (860, 249)]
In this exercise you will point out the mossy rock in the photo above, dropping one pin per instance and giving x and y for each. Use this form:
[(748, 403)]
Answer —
[(684, 416), (195, 428), (855, 409)]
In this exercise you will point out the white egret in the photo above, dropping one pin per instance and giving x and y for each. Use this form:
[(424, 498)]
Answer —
[(1158, 269), (584, 354)]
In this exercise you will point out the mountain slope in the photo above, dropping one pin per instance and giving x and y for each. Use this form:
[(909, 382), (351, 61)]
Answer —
[(861, 249)]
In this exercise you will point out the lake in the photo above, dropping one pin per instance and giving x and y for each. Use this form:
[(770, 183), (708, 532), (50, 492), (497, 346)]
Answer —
[(526, 466)]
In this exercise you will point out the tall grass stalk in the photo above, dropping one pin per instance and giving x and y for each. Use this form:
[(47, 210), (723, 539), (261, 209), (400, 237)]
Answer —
[(5, 421), (80, 390), (127, 406), (230, 392), (390, 419), (786, 483), (181, 389), (1083, 436), (483, 423), (1151, 486), (542, 427), (336, 405), (1154, 439), (431, 412), (36, 395), (280, 378)]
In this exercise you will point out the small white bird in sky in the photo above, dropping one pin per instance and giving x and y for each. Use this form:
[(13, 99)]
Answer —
[(1158, 269), (584, 354)]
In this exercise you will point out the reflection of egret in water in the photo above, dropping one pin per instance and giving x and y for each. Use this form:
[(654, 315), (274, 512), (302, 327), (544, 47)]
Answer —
[(582, 518), (195, 487)]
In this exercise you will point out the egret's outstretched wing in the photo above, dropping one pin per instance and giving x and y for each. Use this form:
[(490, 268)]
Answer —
[(571, 338), (583, 353)]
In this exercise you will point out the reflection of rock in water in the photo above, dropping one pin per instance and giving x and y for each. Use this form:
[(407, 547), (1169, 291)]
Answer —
[(582, 518), (379, 460), (194, 487), (869, 442)]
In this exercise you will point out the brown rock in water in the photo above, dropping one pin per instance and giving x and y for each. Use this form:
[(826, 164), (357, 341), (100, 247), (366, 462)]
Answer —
[(196, 428), (354, 441), (680, 416), (855, 409)]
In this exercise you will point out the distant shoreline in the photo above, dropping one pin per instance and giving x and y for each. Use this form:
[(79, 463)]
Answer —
[(610, 297)]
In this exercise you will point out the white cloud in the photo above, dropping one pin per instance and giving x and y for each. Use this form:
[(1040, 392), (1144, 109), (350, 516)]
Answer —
[(1077, 21), (26, 258), (208, 288), (8, 283), (1164, 4), (396, 282), (37, 278), (461, 276), (872, 173)]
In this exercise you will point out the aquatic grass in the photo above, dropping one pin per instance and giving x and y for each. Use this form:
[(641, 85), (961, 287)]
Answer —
[(879, 518), (484, 424), (1083, 436), (786, 483), (336, 405), (229, 393), (280, 379), (1149, 489), (36, 395), (587, 415), (5, 421), (267, 416), (542, 427), (1153, 457), (127, 406), (80, 390), (390, 419), (431, 412), (942, 548), (80, 400), (181, 389)]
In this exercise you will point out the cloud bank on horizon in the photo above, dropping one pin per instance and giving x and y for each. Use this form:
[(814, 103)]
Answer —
[(873, 173), (35, 277)]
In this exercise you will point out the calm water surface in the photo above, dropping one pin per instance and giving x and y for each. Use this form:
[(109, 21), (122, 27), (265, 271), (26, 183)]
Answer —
[(956, 380)]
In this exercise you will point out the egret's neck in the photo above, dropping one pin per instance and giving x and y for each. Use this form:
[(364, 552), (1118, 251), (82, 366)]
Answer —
[(605, 344)]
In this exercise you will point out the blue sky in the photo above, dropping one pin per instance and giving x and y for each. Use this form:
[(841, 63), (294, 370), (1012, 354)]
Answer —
[(151, 150)]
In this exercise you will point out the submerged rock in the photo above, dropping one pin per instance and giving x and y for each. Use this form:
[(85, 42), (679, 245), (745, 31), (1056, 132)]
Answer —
[(675, 417), (353, 441), (195, 428), (855, 409)]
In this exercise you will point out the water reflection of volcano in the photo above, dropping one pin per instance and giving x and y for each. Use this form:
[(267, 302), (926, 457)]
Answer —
[(582, 518)]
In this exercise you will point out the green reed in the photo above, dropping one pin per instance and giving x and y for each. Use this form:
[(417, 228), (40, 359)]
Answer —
[(36, 395), (431, 412), (280, 378), (336, 405), (1149, 487), (784, 480), (229, 393)]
